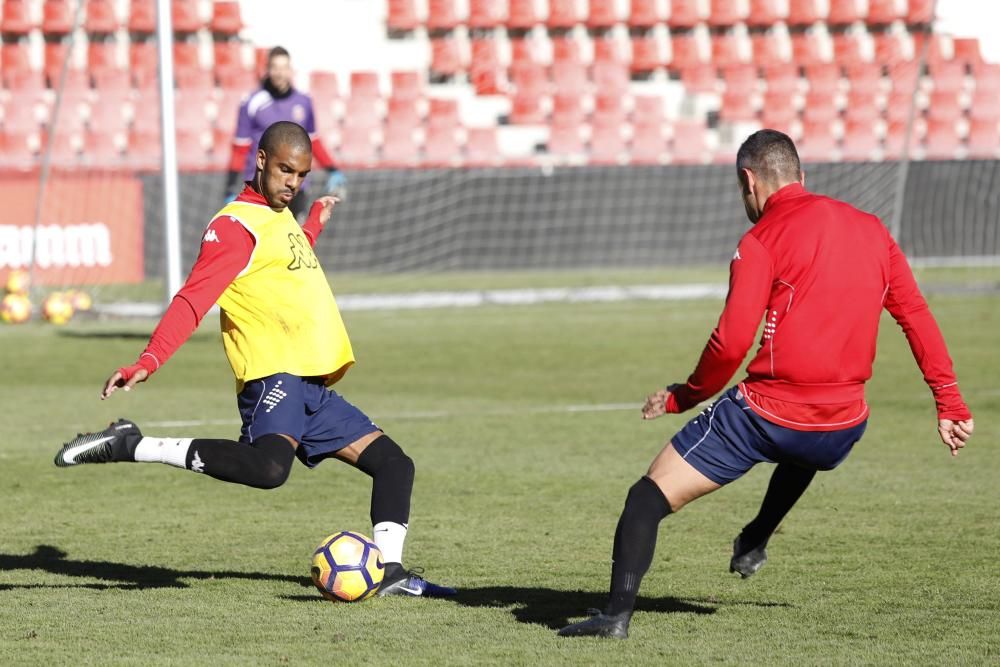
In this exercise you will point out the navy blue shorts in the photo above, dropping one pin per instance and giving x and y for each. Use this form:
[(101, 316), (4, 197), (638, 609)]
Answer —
[(729, 438), (319, 419)]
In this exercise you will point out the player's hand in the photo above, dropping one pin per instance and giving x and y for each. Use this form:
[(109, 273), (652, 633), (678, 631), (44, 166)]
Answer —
[(336, 183), (126, 378), (955, 434), (322, 208), (656, 404)]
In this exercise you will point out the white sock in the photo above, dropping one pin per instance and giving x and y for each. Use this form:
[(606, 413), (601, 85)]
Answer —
[(389, 538), (172, 451)]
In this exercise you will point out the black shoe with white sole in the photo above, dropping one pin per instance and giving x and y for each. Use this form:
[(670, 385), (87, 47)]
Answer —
[(600, 625), (115, 443)]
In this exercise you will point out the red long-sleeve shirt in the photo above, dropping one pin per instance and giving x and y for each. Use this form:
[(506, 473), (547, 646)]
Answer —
[(819, 272), (226, 249)]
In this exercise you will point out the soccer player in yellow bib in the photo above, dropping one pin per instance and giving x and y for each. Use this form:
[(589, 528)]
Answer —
[(286, 343)]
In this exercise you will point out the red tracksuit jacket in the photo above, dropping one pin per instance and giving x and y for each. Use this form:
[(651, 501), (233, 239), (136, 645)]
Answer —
[(819, 272)]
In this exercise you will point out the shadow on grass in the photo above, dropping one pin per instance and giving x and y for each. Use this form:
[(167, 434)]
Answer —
[(120, 335), (121, 576)]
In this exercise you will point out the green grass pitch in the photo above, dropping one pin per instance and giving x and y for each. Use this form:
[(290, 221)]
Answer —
[(891, 559)]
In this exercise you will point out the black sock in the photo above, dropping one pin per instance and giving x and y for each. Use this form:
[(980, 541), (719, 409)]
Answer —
[(788, 483), (264, 464), (635, 541), (392, 472)]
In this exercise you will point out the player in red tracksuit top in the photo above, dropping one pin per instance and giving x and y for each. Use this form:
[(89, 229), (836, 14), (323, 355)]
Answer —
[(819, 272)]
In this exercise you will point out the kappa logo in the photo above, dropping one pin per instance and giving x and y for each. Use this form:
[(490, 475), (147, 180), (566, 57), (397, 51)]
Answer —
[(197, 465), (736, 256), (210, 237)]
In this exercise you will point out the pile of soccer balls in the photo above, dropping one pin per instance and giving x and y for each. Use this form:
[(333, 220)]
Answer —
[(347, 566), (57, 308)]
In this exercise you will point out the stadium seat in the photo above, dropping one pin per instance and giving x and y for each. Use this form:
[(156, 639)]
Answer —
[(903, 77), (145, 150), (817, 143), (889, 48), (16, 149), (446, 57), (685, 52), (566, 49), (983, 105), (737, 107), (16, 21), (895, 136), (804, 12), (227, 54), (570, 78), (361, 113), (184, 16), (864, 78), (365, 84), (56, 52), (944, 106), (101, 149), (481, 147), (648, 110), (948, 77), (740, 79), (442, 15), (357, 149), (191, 149), (443, 112), (567, 108), (236, 81), (988, 78), (399, 148), (807, 48), (607, 49), (861, 107), (402, 113), (608, 110), (726, 49), (848, 48), (57, 18), (610, 78), (823, 78), (648, 145), (725, 13), (820, 107), (563, 14), (765, 13), (565, 140), (684, 14), (20, 117), (941, 141), (844, 12), (778, 110), (526, 107), (101, 18), (607, 147), (883, 12), (485, 71), (406, 85), (782, 78), (967, 52), (920, 12), (485, 14), (860, 141), (226, 18), (402, 16), (642, 13), (522, 15), (767, 49), (646, 53), (601, 15), (524, 52), (102, 55), (111, 82), (142, 17), (984, 138), (689, 142), (699, 78), (441, 148)]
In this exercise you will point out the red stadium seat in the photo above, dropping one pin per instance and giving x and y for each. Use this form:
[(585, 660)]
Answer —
[(607, 49), (485, 71), (446, 57), (685, 51), (737, 107), (142, 17), (699, 78), (648, 110), (101, 17), (766, 49), (227, 54), (988, 78), (889, 47), (778, 110), (442, 15), (402, 114), (16, 18), (860, 141), (101, 149), (441, 147), (642, 13), (145, 151), (481, 147), (610, 78), (226, 18), (944, 106), (823, 78), (646, 53), (184, 16), (601, 15), (21, 118), (56, 52), (740, 79), (15, 64), (16, 150), (966, 51), (565, 140), (782, 78), (765, 13), (895, 139), (608, 110), (566, 109), (726, 49), (725, 13), (883, 12), (365, 85), (904, 77), (526, 107), (984, 138), (402, 16), (607, 147), (843, 12), (399, 148), (357, 150), (804, 12), (361, 113), (848, 48), (942, 141), (102, 55), (443, 112), (191, 149), (563, 14), (238, 81), (689, 145), (865, 78), (648, 145), (570, 78), (820, 107), (485, 14), (406, 85), (566, 48), (523, 15), (524, 51), (983, 106), (112, 82), (807, 48), (861, 107), (684, 14), (948, 77), (817, 143), (920, 12)]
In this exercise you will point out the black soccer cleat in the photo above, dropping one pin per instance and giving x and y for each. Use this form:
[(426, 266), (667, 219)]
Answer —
[(747, 561), (410, 583), (600, 625), (115, 443)]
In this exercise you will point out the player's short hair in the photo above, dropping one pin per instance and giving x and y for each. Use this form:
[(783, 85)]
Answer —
[(275, 52), (771, 156), (284, 133)]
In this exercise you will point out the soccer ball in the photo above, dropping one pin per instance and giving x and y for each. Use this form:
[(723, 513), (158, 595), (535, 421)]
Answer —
[(80, 300), (57, 309), (15, 309), (347, 566), (17, 282)]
